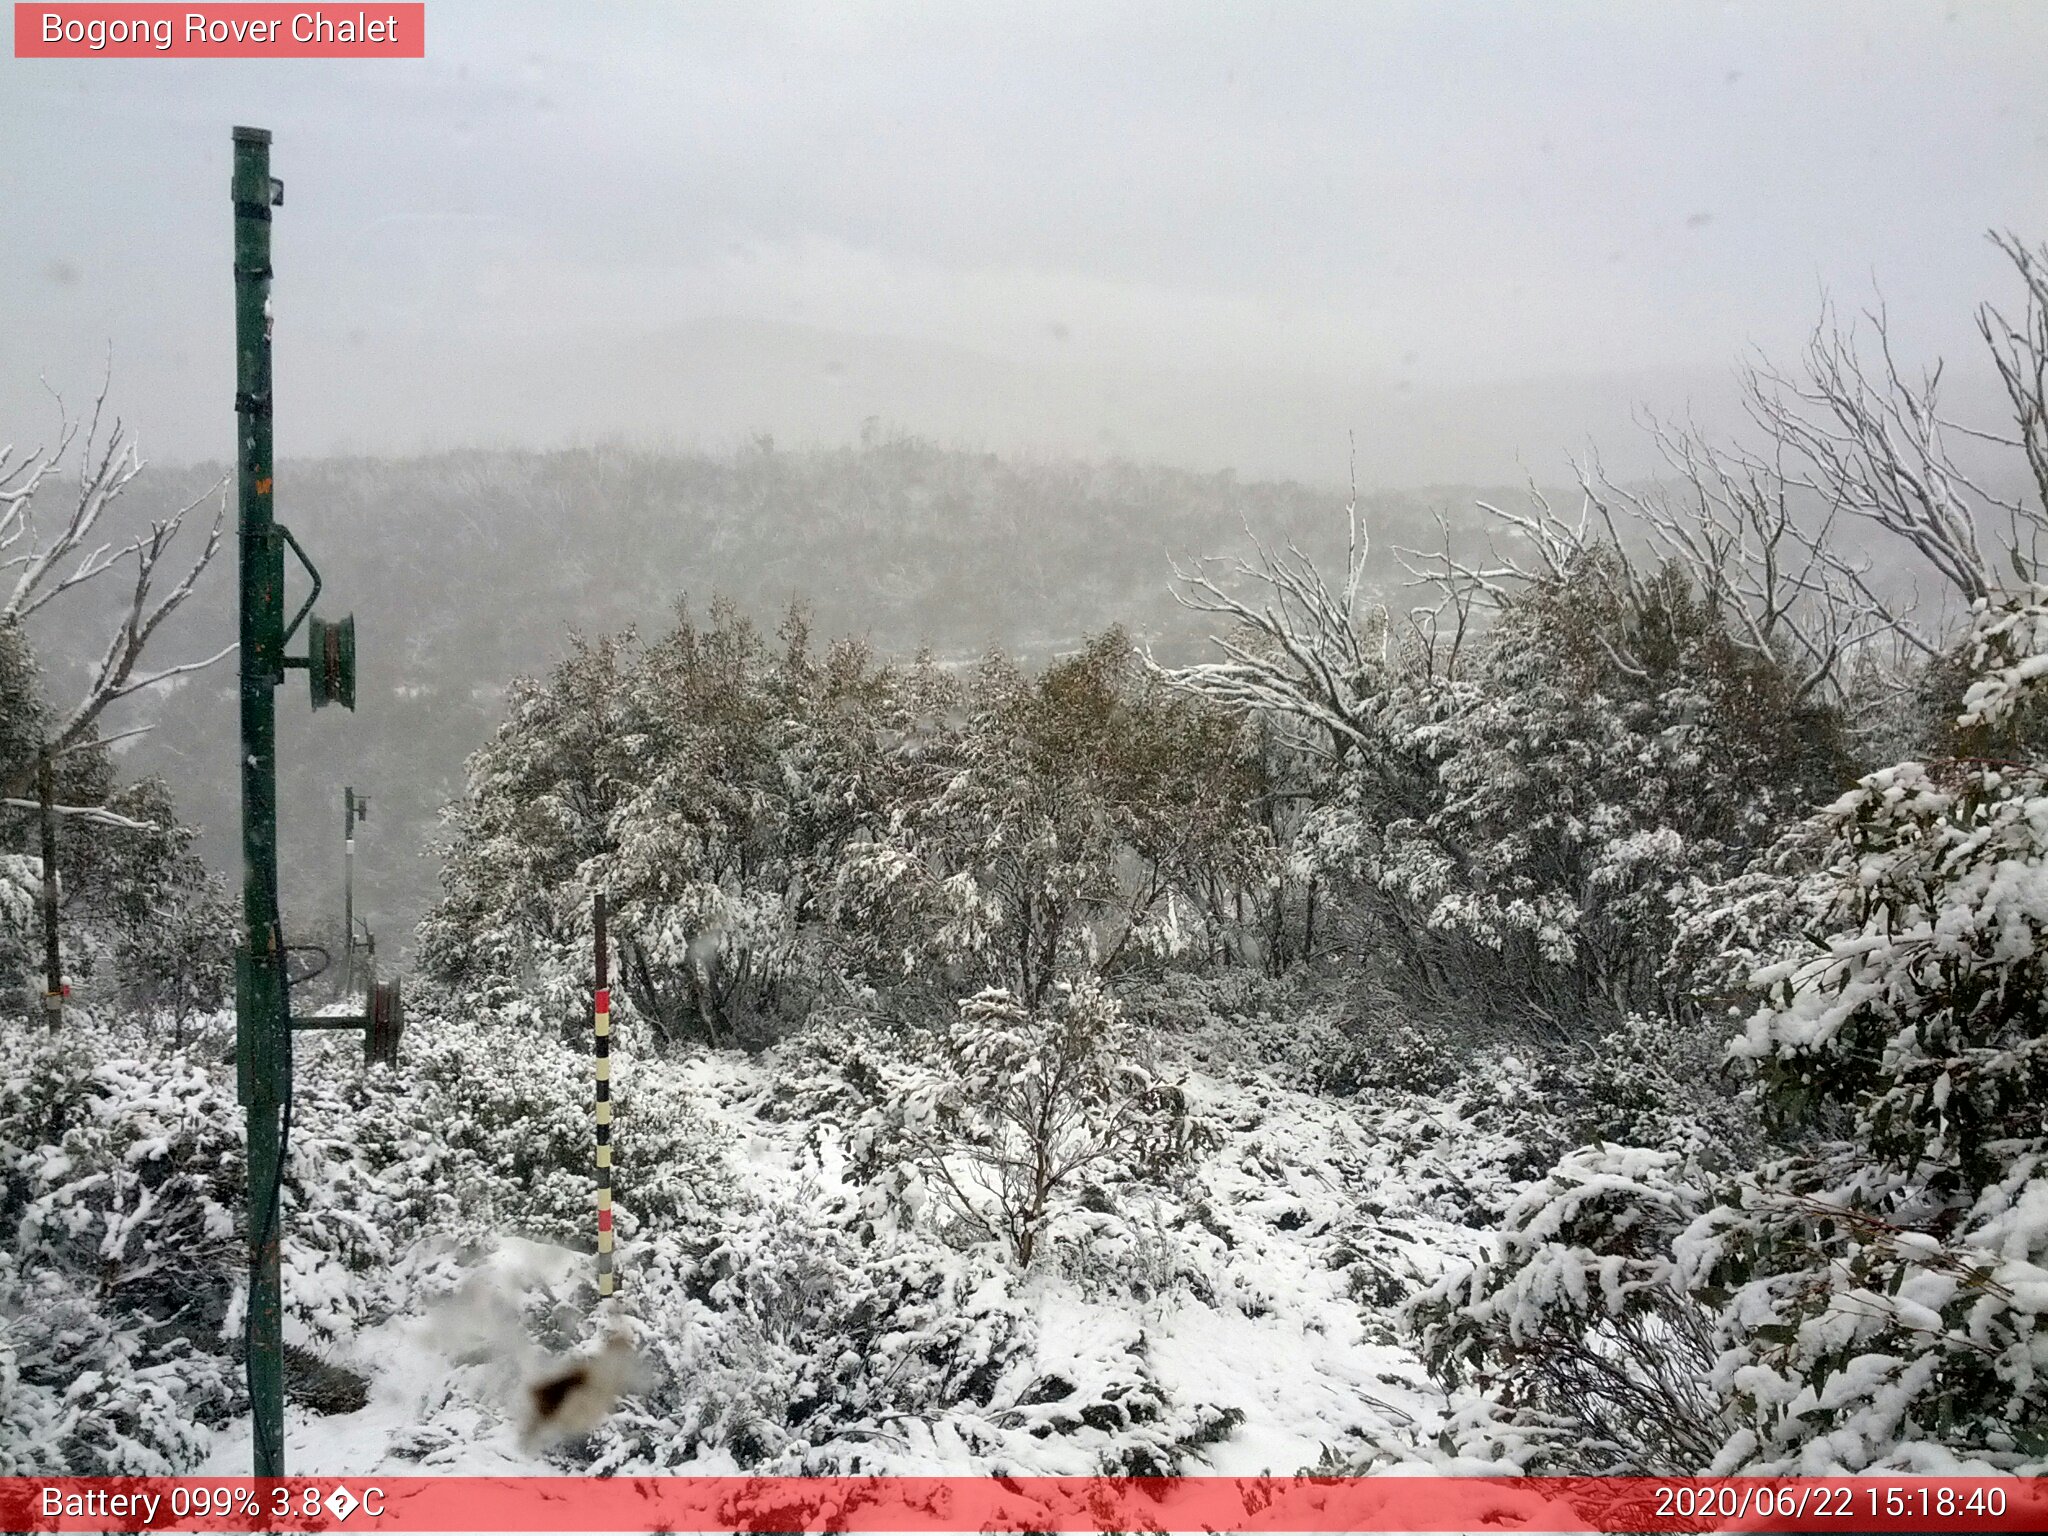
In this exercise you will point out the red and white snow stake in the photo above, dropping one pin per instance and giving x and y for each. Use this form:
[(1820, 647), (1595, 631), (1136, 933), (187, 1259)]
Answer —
[(606, 1280)]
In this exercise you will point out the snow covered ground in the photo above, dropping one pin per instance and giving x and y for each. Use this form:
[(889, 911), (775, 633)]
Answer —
[(1271, 1323)]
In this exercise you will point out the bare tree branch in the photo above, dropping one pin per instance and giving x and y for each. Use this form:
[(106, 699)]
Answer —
[(99, 815), (1297, 648), (44, 568)]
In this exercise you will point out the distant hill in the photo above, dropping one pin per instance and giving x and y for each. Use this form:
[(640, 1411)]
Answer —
[(466, 569)]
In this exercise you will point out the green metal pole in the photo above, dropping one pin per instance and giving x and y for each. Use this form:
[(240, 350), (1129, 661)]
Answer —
[(348, 891), (263, 1006)]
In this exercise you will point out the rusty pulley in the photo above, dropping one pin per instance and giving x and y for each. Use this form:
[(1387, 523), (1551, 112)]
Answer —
[(387, 1023), (331, 661)]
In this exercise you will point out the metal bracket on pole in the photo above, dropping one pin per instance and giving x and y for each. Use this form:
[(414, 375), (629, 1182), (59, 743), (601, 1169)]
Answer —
[(307, 606), (382, 1026)]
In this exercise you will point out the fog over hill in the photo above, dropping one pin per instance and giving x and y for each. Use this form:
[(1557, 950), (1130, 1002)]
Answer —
[(707, 384), (467, 569)]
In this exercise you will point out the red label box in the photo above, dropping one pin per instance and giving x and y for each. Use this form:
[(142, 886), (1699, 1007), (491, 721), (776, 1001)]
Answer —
[(239, 31), (1256, 1506)]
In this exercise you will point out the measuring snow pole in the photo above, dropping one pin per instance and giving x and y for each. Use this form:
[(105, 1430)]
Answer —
[(263, 1042), (606, 1281)]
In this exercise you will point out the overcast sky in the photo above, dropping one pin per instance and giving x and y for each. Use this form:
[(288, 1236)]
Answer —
[(1220, 235)]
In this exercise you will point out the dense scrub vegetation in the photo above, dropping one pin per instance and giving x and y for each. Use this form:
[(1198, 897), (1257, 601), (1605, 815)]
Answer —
[(464, 570), (1662, 901)]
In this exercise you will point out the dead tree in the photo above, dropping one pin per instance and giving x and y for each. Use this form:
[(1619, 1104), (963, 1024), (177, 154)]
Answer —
[(44, 562), (40, 562), (1294, 649)]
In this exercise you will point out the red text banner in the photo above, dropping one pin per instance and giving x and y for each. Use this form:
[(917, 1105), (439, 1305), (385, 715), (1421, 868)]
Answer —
[(907, 1504), (233, 31)]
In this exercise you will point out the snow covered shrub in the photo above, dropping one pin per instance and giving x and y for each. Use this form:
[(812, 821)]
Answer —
[(538, 800), (1654, 1080), (500, 1120), (793, 1343), (1903, 1266), (1386, 1053), (88, 1390), (1116, 1248), (1319, 1033), (1577, 1348), (118, 1192), (1234, 1021), (757, 766), (1876, 1297), (125, 1170), (1508, 787), (1107, 1415), (707, 782), (1021, 1109), (20, 878), (799, 1342), (1519, 835), (840, 1066)]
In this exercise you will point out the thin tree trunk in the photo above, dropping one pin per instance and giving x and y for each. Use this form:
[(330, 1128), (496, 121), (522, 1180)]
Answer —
[(53, 958)]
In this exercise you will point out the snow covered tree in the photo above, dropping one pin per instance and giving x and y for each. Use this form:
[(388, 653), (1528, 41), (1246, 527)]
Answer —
[(1872, 1294), (1905, 1260), (1079, 820), (538, 811), (1508, 785), (40, 558), (54, 766), (139, 912), (1520, 834), (707, 783), (1022, 1110), (170, 923), (1877, 1296), (704, 936)]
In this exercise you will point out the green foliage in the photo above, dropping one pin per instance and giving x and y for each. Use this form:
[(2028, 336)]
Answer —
[(1083, 821)]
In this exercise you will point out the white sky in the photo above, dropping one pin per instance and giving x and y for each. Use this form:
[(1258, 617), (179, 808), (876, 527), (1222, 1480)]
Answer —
[(1214, 234)]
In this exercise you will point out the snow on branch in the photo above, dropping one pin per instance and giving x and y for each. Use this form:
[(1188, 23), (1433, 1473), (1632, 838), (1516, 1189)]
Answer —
[(1296, 648), (1874, 444), (1871, 444), (2019, 351), (98, 815), (43, 565), (1766, 537)]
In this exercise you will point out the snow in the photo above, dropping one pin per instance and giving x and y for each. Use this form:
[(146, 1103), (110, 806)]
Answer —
[(1279, 1340), (1050, 1206), (417, 1377)]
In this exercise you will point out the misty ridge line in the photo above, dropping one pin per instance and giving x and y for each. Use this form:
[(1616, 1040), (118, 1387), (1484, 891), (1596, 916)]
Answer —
[(467, 568)]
